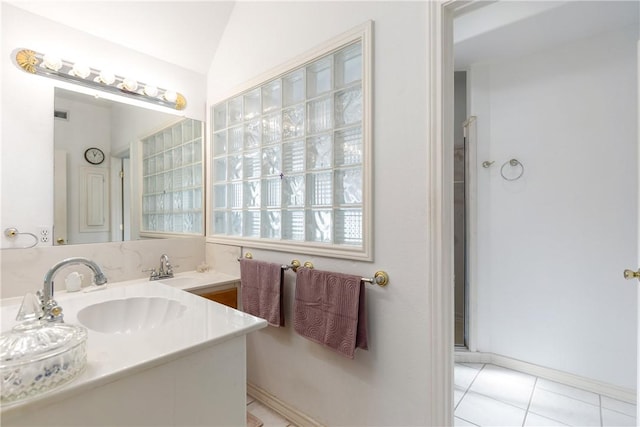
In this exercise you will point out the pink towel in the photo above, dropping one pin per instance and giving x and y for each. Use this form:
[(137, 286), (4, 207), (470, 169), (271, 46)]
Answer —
[(261, 289), (330, 309)]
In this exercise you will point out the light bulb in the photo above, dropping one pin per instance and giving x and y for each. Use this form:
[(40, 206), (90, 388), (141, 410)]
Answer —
[(151, 91), (81, 70), (170, 96), (107, 77), (52, 62), (130, 84)]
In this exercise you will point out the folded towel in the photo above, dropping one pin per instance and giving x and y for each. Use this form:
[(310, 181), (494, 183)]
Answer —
[(330, 309), (261, 289)]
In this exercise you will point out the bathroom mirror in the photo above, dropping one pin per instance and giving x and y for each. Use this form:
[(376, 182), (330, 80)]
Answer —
[(98, 165)]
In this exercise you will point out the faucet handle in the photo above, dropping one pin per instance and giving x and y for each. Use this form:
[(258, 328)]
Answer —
[(31, 308), (52, 311), (155, 274)]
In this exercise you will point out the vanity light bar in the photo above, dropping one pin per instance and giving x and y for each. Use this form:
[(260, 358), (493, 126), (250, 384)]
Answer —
[(79, 73)]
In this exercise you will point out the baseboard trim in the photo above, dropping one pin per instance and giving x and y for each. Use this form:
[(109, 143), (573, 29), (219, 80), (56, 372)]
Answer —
[(287, 411), (599, 387)]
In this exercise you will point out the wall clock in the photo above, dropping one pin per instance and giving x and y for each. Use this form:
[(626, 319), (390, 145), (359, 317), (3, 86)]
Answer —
[(93, 155)]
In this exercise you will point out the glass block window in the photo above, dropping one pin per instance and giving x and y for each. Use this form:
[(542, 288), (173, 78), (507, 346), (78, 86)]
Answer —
[(172, 170), (289, 157)]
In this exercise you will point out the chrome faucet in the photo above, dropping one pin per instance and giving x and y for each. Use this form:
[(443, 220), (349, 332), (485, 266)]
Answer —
[(52, 311), (164, 272)]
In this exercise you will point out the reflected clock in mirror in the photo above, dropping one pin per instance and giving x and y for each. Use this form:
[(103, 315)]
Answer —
[(93, 155), (116, 131)]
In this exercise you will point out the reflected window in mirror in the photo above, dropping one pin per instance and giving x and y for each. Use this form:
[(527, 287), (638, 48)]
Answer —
[(172, 170)]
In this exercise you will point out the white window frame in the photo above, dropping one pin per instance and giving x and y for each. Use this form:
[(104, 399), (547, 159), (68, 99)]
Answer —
[(364, 34)]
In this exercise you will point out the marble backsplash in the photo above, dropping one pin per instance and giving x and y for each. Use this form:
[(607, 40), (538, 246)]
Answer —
[(223, 258), (23, 270)]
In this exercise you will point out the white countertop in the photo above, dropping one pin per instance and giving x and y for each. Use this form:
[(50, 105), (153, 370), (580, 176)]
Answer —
[(113, 356)]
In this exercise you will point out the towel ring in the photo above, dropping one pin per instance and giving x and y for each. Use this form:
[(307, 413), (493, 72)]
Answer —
[(512, 163), (13, 233)]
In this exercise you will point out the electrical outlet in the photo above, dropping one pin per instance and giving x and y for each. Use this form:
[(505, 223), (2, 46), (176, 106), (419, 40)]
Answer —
[(44, 235)]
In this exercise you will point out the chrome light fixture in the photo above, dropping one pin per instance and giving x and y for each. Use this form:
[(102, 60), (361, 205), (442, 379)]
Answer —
[(51, 66)]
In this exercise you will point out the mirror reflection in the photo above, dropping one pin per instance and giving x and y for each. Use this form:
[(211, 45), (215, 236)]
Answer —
[(104, 188)]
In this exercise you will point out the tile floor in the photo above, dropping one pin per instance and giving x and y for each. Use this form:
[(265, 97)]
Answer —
[(488, 395), (266, 415)]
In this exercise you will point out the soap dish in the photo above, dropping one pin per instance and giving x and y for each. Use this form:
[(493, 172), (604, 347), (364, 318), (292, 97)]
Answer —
[(37, 356)]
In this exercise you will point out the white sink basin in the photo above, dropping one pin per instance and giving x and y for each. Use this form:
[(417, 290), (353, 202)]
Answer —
[(130, 315)]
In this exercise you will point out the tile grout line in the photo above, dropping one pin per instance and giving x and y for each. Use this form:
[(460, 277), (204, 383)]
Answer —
[(466, 421), (601, 418), (526, 413), (528, 410), (567, 394), (467, 390), (621, 412), (571, 397), (491, 397), (568, 397)]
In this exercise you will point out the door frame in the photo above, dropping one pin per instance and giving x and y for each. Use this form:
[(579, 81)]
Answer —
[(440, 15), (471, 230), (439, 54), (440, 213)]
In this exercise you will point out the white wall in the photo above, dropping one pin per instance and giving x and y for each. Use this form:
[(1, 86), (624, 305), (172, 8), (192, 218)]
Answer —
[(387, 385), (87, 126), (27, 101), (552, 246), (131, 124)]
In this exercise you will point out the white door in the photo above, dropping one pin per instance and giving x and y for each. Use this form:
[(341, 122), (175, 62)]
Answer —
[(630, 274), (638, 113)]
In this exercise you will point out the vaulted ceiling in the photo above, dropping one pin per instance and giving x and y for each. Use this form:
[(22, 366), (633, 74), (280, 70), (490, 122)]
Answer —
[(185, 33)]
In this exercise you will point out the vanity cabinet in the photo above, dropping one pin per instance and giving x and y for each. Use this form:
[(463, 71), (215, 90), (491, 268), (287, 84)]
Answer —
[(187, 371), (227, 296)]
